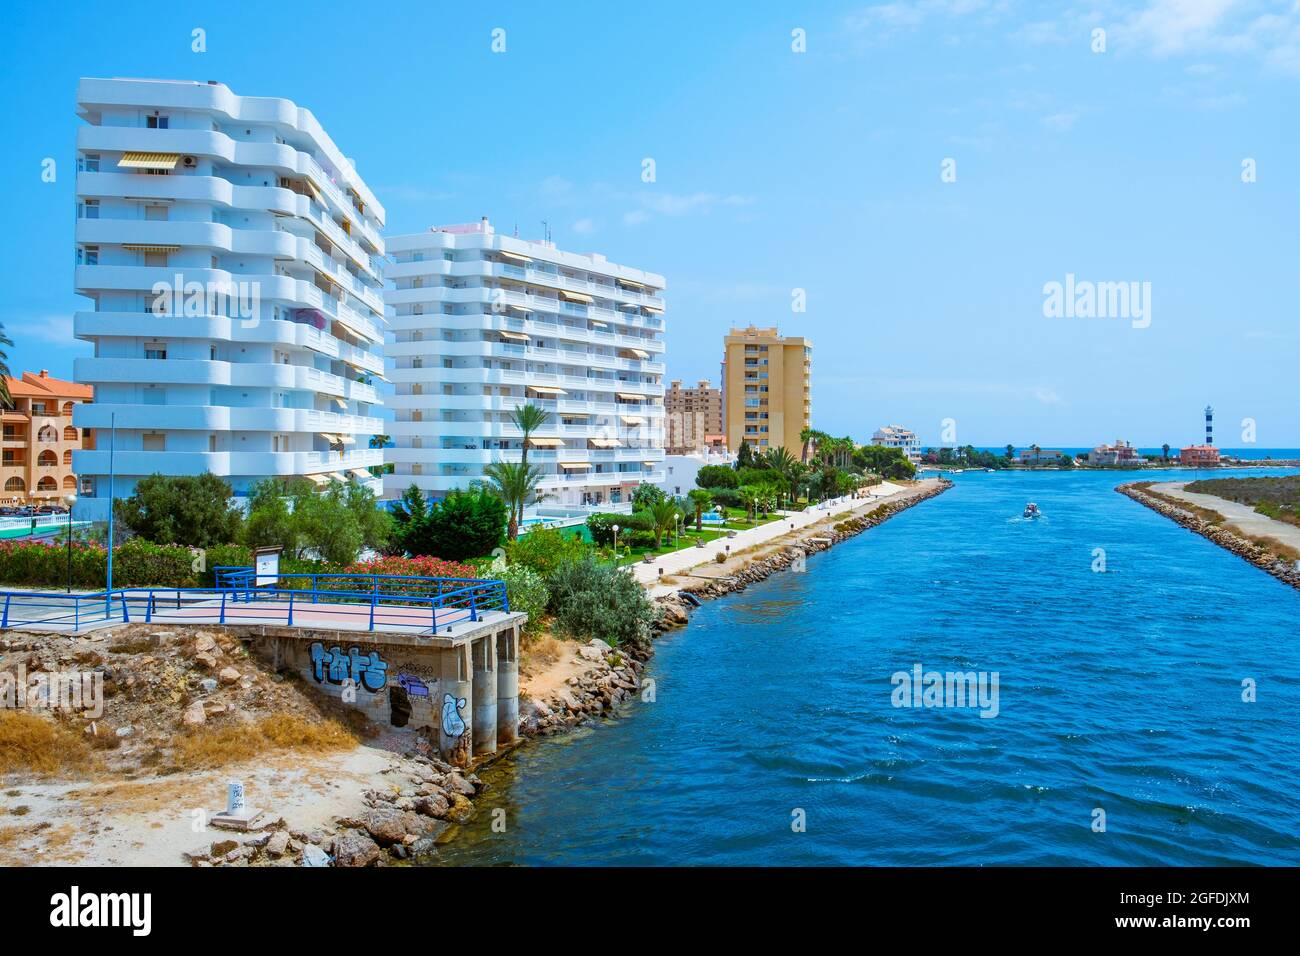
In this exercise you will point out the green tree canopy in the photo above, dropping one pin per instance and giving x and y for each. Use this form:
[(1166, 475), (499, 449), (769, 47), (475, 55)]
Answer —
[(193, 510)]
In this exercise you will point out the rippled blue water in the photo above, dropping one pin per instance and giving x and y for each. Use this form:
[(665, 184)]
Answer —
[(1119, 690)]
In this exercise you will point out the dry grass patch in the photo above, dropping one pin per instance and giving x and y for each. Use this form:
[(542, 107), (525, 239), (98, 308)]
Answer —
[(31, 742), (1279, 548), (209, 748)]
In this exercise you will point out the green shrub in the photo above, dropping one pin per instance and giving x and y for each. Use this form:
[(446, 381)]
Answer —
[(527, 592), (545, 549), (192, 510), (717, 476), (591, 599)]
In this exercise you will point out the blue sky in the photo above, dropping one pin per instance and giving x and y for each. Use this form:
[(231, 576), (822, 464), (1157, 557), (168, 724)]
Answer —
[(779, 170)]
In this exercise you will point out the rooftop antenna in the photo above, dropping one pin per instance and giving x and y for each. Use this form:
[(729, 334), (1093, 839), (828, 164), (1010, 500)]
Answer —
[(516, 228), (546, 231)]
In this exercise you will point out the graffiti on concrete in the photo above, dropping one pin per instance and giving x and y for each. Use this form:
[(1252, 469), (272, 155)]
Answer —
[(413, 685), (334, 666), (453, 725)]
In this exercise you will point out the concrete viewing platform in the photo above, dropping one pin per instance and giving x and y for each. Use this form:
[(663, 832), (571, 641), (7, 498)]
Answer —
[(446, 658)]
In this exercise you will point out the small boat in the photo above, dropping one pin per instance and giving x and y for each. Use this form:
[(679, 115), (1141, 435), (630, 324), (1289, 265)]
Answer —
[(1031, 511)]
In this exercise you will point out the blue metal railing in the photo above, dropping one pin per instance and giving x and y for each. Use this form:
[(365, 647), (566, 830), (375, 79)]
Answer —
[(386, 601)]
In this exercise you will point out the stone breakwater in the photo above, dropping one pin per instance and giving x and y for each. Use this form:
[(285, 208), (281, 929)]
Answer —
[(1262, 558)]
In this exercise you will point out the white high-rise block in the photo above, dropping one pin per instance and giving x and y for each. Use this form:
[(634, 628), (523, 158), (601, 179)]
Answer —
[(233, 258), (483, 323)]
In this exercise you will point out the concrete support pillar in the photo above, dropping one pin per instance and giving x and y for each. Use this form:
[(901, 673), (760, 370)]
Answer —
[(485, 695), (508, 686), (455, 705)]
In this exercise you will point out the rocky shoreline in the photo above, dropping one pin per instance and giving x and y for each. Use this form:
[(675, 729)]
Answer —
[(1285, 571)]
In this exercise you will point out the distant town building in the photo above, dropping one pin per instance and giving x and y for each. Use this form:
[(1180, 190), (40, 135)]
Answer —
[(680, 471), (767, 389), (1199, 456), (693, 417), (1209, 424), (1120, 453), (896, 436), (1041, 456), (39, 439)]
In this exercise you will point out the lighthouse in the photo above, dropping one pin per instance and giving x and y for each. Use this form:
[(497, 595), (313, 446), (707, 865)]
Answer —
[(1209, 425)]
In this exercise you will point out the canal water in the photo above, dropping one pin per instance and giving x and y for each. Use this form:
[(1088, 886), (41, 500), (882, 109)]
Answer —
[(1120, 691)]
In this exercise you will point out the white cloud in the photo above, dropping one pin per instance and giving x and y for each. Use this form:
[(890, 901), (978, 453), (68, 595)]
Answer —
[(56, 329), (584, 227), (1061, 122)]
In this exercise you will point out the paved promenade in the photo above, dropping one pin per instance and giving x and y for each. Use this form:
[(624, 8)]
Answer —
[(683, 561), (1243, 518)]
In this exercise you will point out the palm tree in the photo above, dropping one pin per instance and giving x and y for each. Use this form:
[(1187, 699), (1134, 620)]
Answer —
[(5, 342), (528, 418), (1165, 448), (664, 515), (1011, 452), (515, 484), (1035, 449), (780, 461), (701, 498), (380, 441), (805, 439), (748, 496)]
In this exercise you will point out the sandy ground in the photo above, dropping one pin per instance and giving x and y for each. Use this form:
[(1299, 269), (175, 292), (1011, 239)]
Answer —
[(151, 821), (1242, 519)]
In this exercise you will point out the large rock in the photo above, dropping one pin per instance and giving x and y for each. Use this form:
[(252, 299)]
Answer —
[(278, 843), (353, 848), (433, 805), (194, 715), (389, 825), (458, 784), (313, 855), (228, 675), (204, 644)]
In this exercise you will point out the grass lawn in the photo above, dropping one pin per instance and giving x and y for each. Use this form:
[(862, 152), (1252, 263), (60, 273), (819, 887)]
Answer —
[(736, 521)]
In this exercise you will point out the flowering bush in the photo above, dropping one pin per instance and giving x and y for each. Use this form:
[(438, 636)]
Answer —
[(420, 567), (136, 563)]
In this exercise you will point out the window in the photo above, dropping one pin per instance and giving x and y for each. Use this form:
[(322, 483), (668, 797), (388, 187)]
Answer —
[(90, 163), (89, 209), (212, 443), (155, 213), (155, 258), (155, 396), (153, 442), (157, 122), (88, 255), (155, 350)]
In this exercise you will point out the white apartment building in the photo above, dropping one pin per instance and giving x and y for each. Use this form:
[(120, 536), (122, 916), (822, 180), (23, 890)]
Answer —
[(232, 258), (484, 323), (896, 436)]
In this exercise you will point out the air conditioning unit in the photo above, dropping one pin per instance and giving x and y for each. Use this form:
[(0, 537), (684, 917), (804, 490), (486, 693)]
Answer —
[(189, 162)]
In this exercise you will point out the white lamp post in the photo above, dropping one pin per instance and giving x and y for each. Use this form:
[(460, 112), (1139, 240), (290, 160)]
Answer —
[(616, 545), (70, 499)]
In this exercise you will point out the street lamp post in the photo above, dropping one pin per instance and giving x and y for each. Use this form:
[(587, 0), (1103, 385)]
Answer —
[(615, 545), (70, 499)]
